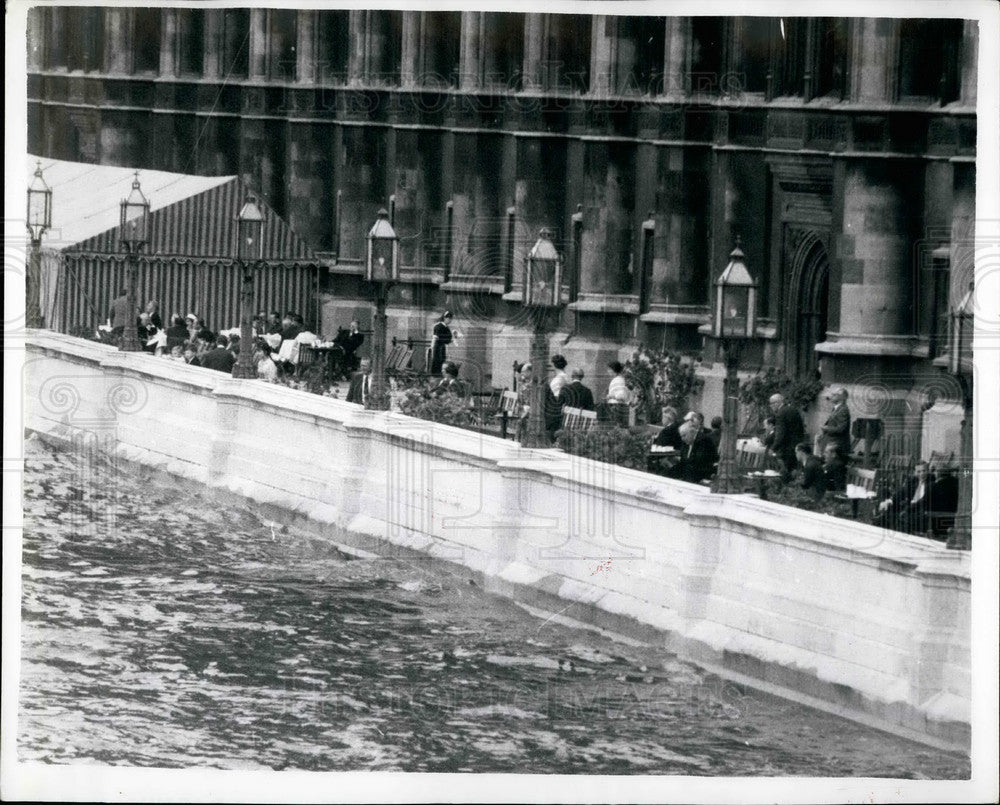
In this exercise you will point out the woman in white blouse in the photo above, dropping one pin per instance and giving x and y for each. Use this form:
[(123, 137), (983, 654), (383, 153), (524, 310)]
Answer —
[(618, 393)]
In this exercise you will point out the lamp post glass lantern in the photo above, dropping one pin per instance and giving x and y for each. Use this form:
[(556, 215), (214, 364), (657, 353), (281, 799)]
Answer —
[(960, 365), (381, 271), (249, 253), (734, 321), (134, 232), (39, 219), (542, 293)]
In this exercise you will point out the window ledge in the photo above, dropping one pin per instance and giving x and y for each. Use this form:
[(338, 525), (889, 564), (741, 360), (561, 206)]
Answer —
[(606, 303), (472, 284), (904, 346)]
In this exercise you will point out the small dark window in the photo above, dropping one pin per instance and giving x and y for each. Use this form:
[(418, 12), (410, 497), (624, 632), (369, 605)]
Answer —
[(707, 51), (754, 53), (929, 58), (646, 35), (236, 24), (791, 63), (567, 68), (282, 44), (442, 37), (334, 43), (84, 28), (147, 40), (831, 62), (503, 47), (191, 22)]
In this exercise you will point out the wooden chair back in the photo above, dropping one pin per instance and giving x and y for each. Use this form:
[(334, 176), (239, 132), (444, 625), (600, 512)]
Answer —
[(587, 420), (508, 402), (866, 479), (571, 419)]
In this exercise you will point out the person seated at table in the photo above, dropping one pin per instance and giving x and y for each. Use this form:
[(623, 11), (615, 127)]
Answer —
[(834, 469), (767, 435), (944, 501), (177, 333), (147, 332), (812, 469), (266, 368), (449, 382), (290, 326), (360, 386), (576, 395), (220, 359), (669, 435), (715, 434), (697, 456), (234, 344), (350, 342), (618, 393), (909, 508)]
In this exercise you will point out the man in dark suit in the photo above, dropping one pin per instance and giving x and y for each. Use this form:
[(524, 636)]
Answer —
[(575, 394), (909, 508), (669, 435), (220, 359), (837, 428), (357, 392), (698, 456), (834, 470), (812, 469), (788, 431)]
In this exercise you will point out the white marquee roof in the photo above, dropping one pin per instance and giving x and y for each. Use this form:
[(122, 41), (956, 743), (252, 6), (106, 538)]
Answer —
[(85, 197)]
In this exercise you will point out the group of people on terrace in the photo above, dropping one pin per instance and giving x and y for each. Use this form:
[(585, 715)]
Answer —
[(277, 339), (923, 503)]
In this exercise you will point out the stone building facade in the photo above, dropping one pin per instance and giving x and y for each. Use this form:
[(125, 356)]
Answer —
[(840, 151)]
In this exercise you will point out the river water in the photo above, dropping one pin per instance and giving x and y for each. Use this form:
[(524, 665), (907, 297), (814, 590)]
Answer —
[(163, 627)]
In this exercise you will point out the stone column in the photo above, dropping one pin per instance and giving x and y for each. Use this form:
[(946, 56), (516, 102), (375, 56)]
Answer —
[(211, 63), (534, 48), (305, 47), (117, 29), (606, 225), (411, 68), (470, 57), (969, 62), (168, 43), (36, 38), (258, 44), (875, 256), (675, 56), (603, 54), (308, 182), (357, 60), (378, 47), (876, 48)]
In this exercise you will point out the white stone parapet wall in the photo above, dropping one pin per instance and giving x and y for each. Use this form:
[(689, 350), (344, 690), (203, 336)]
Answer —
[(839, 614)]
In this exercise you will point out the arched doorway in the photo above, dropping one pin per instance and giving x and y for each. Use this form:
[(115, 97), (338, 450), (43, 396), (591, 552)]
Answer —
[(809, 300)]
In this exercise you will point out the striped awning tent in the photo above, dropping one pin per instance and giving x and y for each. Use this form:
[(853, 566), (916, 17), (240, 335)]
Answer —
[(188, 264)]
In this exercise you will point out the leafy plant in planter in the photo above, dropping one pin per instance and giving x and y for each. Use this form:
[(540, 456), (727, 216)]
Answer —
[(659, 378), (626, 447), (312, 381), (419, 401), (756, 392)]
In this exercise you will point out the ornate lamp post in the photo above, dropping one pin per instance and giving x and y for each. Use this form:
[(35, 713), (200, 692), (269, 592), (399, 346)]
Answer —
[(960, 365), (734, 321), (39, 219), (542, 293), (134, 229), (381, 271), (249, 252)]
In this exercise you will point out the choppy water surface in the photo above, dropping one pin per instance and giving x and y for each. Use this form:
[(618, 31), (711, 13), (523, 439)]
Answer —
[(161, 627)]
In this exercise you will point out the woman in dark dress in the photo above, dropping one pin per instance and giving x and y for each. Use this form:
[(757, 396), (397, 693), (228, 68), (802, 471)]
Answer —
[(440, 338)]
